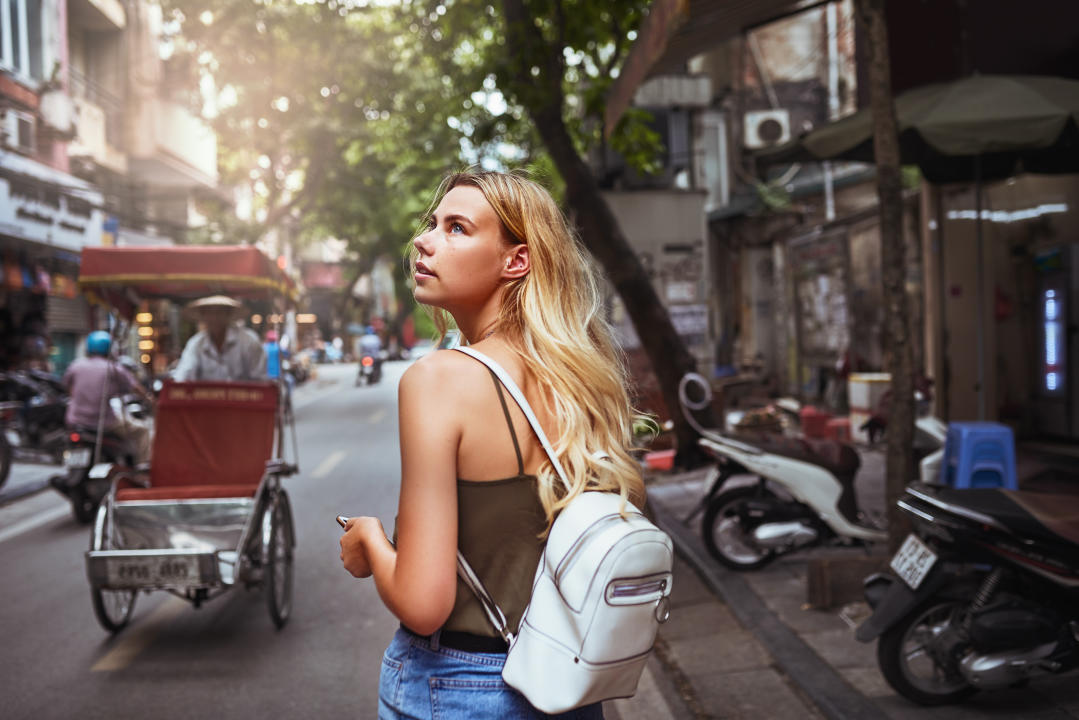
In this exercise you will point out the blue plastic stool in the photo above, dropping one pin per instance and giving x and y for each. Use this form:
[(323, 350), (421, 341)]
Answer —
[(979, 455)]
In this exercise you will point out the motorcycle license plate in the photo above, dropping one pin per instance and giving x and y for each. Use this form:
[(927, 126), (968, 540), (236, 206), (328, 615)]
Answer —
[(913, 561), (159, 570), (77, 457)]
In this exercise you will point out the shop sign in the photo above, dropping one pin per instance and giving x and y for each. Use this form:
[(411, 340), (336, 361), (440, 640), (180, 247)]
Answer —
[(49, 207), (690, 321)]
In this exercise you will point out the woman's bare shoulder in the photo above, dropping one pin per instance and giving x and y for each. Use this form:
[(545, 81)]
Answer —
[(446, 372)]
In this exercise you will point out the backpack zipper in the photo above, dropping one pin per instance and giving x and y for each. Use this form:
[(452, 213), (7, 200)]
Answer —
[(631, 588)]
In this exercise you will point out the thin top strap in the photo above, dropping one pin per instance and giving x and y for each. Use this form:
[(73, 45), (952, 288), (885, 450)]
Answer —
[(509, 422), (519, 398)]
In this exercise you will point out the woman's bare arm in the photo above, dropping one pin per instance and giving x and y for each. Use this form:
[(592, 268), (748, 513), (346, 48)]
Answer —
[(417, 580)]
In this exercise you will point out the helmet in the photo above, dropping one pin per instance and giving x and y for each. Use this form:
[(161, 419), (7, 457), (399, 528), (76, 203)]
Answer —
[(98, 343)]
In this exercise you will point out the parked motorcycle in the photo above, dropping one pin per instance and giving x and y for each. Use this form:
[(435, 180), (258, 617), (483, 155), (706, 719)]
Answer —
[(36, 429), (803, 495), (987, 594), (79, 482)]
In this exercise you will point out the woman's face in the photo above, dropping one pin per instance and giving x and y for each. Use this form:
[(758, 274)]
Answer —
[(462, 255)]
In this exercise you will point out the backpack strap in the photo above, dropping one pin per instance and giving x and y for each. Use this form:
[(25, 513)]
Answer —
[(464, 570), (490, 607)]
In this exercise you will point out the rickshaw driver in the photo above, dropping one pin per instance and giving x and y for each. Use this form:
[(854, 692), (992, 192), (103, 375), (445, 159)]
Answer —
[(223, 350)]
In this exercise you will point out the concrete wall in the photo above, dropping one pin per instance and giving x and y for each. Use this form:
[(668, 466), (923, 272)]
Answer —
[(667, 230)]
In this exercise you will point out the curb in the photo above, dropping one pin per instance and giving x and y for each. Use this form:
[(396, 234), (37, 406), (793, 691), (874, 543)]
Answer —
[(11, 495), (832, 695)]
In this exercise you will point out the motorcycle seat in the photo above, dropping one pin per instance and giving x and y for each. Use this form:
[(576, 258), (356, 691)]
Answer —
[(840, 459), (1059, 514), (1048, 516)]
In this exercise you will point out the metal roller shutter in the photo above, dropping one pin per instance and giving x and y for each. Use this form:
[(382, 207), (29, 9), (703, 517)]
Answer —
[(67, 314)]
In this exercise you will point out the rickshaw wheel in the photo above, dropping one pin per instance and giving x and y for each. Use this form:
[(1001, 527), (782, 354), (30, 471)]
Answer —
[(113, 608), (277, 577)]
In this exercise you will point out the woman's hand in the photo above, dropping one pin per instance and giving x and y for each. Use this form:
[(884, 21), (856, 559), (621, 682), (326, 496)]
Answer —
[(354, 544)]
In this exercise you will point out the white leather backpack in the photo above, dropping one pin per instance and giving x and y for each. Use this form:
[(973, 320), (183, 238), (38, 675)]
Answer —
[(601, 590)]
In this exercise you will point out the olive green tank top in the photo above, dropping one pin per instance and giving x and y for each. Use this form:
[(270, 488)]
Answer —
[(498, 528)]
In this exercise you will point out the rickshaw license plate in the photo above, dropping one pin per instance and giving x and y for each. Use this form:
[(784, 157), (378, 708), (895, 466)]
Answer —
[(159, 570), (77, 457), (913, 561)]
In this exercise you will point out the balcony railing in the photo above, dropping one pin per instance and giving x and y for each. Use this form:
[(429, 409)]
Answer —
[(113, 107)]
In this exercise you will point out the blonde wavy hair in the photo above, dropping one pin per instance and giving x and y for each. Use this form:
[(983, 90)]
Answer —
[(554, 319)]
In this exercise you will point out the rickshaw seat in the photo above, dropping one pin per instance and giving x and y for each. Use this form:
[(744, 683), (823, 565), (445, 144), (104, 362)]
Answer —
[(211, 440)]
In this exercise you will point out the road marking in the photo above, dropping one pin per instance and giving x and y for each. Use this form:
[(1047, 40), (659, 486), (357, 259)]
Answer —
[(327, 466), (377, 416), (135, 641), (32, 522)]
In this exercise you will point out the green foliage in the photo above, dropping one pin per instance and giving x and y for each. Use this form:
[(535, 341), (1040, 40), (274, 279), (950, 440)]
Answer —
[(773, 197), (636, 141), (646, 427), (424, 325), (911, 177), (339, 118), (579, 47)]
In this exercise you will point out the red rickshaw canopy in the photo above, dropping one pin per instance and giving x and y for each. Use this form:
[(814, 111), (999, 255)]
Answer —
[(181, 273)]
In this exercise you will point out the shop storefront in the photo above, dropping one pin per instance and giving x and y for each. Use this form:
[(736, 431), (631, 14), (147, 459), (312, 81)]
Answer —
[(1027, 284), (46, 218)]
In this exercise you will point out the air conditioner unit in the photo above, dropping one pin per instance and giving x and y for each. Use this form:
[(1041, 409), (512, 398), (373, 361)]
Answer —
[(18, 130), (765, 128)]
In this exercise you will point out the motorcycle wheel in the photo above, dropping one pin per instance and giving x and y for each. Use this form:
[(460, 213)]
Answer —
[(5, 458), (83, 506), (909, 657), (278, 575), (113, 608), (727, 541)]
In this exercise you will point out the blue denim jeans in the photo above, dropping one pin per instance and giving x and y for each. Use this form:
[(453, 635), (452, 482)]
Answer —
[(421, 679)]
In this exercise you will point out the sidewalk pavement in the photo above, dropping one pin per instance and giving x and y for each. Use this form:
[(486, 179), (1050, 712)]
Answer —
[(26, 478), (747, 645)]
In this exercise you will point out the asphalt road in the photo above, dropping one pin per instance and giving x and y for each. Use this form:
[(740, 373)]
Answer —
[(225, 659)]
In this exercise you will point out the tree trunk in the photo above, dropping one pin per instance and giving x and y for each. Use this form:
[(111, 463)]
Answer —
[(898, 353)]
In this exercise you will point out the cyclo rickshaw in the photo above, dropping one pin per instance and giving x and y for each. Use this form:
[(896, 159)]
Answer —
[(209, 512)]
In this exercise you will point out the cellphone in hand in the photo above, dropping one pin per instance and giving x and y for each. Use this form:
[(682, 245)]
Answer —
[(342, 520)]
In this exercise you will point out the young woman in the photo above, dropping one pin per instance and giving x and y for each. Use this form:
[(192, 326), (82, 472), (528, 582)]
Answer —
[(496, 255)]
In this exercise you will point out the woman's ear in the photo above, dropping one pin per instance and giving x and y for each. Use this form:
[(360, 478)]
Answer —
[(517, 262)]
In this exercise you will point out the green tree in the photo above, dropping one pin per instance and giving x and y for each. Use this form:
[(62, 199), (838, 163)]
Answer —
[(334, 117)]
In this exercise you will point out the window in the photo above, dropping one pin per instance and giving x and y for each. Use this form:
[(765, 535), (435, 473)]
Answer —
[(22, 47)]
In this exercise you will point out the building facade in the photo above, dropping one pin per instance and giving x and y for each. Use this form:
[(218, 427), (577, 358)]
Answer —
[(95, 149)]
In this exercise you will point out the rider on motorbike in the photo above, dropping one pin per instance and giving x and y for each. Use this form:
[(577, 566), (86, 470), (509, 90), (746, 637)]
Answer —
[(91, 381), (371, 346)]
